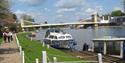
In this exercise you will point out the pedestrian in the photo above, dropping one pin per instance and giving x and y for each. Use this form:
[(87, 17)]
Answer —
[(5, 36), (85, 47), (11, 36), (8, 37)]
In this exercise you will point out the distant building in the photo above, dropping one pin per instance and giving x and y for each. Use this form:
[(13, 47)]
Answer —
[(104, 19), (118, 20)]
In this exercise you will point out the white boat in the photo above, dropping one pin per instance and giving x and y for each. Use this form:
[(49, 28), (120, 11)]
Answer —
[(59, 39)]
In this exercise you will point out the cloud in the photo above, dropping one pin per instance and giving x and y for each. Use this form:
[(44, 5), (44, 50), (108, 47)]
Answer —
[(117, 8), (80, 14), (19, 12), (32, 2), (69, 3), (89, 10), (65, 10), (36, 15), (46, 9), (60, 15), (97, 9)]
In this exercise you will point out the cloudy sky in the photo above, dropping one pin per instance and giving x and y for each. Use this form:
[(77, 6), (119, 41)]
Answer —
[(55, 11)]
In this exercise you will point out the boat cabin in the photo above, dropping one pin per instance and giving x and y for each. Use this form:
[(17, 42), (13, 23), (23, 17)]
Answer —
[(56, 36), (59, 39), (112, 46)]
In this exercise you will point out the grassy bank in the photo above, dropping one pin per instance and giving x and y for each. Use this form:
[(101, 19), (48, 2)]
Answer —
[(33, 49)]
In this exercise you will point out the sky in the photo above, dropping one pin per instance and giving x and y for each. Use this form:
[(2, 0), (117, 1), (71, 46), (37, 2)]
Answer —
[(56, 11)]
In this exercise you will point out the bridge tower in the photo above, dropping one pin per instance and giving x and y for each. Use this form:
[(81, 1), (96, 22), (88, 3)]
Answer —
[(22, 23), (95, 19)]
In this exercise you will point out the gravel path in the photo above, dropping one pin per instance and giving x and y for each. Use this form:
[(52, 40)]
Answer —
[(9, 53)]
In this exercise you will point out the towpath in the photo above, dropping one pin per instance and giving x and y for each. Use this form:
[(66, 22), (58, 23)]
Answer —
[(9, 52)]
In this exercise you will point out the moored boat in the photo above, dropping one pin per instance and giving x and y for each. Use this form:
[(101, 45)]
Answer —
[(59, 39)]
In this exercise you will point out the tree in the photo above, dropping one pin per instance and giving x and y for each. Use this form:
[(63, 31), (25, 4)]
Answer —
[(4, 8), (14, 17), (45, 22), (117, 13)]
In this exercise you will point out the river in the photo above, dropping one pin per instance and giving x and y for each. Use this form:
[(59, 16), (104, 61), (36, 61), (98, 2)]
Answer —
[(86, 35)]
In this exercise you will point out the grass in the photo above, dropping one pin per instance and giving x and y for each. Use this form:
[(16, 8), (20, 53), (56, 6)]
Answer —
[(33, 49), (1, 39)]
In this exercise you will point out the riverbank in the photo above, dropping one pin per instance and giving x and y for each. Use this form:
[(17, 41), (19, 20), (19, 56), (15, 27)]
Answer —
[(33, 49), (109, 26)]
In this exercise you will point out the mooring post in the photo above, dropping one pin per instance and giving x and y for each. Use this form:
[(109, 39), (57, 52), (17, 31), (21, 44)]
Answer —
[(43, 44), (37, 60), (54, 59), (48, 46), (99, 57), (31, 38), (44, 57), (23, 58)]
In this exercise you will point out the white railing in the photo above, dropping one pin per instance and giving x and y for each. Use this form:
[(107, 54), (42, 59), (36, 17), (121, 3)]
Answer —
[(44, 59), (20, 50)]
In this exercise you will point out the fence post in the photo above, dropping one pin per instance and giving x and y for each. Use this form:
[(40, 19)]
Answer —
[(54, 59), (37, 60), (99, 57), (20, 49), (31, 38), (44, 57), (23, 58), (43, 44), (48, 46)]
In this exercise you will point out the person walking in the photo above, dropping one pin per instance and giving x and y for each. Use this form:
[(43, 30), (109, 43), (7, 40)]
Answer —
[(11, 36), (5, 36), (8, 37), (85, 47)]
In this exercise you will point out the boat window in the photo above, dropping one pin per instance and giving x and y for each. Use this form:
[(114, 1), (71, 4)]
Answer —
[(68, 36), (57, 31), (51, 36), (61, 37), (55, 37)]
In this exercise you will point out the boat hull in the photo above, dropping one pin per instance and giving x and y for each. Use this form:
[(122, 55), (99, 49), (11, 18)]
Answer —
[(59, 43)]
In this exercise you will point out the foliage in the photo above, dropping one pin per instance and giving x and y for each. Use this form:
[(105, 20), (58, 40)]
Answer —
[(45, 22), (33, 49), (6, 16), (4, 5), (14, 16), (11, 27), (117, 13)]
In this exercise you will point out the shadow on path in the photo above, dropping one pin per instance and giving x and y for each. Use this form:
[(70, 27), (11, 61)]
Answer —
[(8, 51)]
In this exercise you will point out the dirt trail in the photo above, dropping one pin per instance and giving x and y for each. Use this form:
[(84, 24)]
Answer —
[(9, 53)]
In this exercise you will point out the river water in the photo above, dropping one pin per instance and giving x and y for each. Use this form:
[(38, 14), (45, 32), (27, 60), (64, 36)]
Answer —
[(86, 35)]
